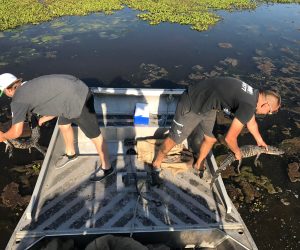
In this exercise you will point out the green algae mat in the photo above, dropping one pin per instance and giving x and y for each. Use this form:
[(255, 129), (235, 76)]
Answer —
[(199, 14)]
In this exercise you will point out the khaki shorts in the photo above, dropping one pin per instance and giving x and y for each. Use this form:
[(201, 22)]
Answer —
[(185, 121)]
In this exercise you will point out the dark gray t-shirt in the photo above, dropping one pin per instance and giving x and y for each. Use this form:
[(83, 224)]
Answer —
[(51, 95), (224, 93)]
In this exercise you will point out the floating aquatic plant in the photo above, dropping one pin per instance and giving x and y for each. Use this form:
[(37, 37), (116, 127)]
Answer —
[(58, 24), (14, 12), (46, 39), (200, 14)]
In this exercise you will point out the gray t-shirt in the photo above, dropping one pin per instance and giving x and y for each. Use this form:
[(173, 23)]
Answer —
[(50, 95), (224, 93)]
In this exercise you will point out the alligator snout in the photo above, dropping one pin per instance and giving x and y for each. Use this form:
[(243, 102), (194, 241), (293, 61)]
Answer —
[(274, 151)]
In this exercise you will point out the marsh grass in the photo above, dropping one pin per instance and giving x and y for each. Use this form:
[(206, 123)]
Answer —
[(199, 14)]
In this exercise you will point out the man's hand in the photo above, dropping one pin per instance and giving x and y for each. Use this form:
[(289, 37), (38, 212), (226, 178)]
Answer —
[(14, 132), (41, 121), (253, 128), (238, 155), (231, 138), (44, 119), (261, 143)]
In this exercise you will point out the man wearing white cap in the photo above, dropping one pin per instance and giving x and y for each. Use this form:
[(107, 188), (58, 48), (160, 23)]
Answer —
[(6, 81), (51, 96)]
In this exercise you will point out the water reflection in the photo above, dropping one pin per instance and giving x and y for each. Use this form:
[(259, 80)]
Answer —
[(27, 43), (121, 51), (120, 46)]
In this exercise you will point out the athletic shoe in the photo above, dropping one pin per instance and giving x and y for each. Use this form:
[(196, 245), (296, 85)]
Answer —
[(102, 174), (155, 179), (64, 160)]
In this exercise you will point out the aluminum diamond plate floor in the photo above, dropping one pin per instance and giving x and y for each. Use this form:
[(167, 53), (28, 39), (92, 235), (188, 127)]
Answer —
[(127, 202)]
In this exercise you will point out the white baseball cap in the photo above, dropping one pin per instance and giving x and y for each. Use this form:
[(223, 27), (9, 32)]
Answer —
[(6, 79)]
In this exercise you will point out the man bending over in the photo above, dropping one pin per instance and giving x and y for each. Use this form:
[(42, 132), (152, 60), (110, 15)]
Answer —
[(62, 96), (198, 107)]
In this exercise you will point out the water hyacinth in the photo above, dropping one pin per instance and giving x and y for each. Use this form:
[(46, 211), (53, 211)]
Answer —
[(14, 13), (199, 14)]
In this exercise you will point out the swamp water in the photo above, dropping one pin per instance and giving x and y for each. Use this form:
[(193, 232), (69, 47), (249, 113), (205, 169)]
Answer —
[(261, 47)]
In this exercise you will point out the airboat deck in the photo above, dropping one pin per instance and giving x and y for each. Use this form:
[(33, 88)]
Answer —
[(183, 212)]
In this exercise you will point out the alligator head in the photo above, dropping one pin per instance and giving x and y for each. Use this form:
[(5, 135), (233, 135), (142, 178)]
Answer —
[(274, 151)]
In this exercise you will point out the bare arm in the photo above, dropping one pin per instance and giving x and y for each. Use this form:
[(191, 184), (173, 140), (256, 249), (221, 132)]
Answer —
[(14, 132), (232, 135), (253, 129), (45, 119), (1, 136)]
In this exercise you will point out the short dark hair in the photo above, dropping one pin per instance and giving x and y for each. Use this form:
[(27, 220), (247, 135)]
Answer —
[(273, 94)]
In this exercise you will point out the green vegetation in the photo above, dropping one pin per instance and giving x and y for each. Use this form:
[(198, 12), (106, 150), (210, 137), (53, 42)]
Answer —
[(200, 14), (197, 13), (15, 12), (36, 168)]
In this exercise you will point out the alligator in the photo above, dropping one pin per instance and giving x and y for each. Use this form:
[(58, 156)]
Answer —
[(247, 151), (32, 142)]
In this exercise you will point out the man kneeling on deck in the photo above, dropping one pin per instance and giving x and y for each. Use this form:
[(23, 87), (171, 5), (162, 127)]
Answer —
[(198, 106), (51, 96)]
